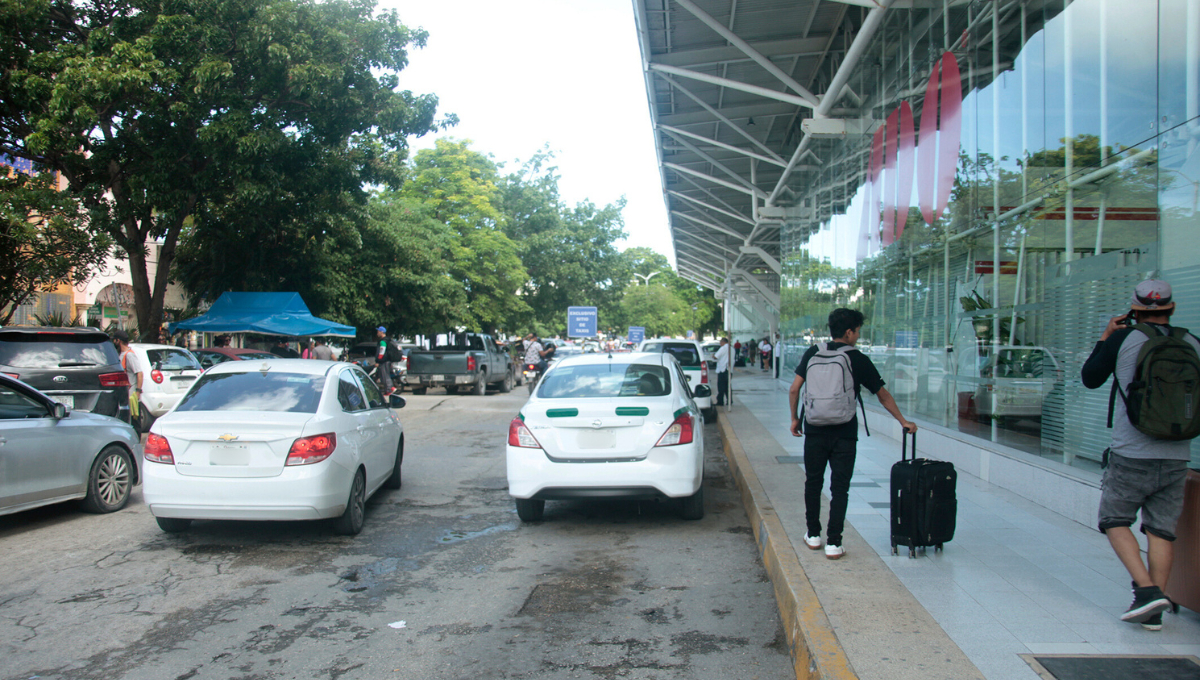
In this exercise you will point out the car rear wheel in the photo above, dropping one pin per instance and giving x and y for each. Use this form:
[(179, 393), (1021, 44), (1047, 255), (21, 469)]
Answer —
[(710, 416), (173, 525), (145, 419), (481, 386), (351, 521), (693, 506), (394, 481), (110, 480), (507, 384), (530, 510)]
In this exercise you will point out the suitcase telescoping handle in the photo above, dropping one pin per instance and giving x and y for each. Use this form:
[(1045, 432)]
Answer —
[(904, 444)]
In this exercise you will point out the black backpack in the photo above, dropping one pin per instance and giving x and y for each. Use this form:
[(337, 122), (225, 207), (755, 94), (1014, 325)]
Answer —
[(1163, 400), (393, 352)]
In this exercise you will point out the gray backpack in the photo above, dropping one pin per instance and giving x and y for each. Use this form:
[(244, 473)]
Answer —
[(829, 397)]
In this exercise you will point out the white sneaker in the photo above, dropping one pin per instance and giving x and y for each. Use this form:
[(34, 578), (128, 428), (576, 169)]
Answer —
[(833, 552), (813, 542)]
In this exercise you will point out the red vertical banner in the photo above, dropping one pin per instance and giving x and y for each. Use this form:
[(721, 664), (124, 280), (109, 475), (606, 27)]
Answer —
[(905, 147), (941, 133)]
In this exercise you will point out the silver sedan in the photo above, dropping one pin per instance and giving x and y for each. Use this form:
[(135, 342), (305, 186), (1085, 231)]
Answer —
[(50, 453)]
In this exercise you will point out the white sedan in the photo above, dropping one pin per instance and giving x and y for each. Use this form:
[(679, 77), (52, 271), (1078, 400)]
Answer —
[(609, 426), (286, 439)]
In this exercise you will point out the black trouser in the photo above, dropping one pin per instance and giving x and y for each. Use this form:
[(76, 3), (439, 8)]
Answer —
[(838, 453), (722, 387)]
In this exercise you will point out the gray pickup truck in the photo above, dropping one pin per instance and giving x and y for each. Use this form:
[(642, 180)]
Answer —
[(461, 361)]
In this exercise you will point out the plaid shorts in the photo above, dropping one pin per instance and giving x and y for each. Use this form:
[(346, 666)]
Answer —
[(1153, 485)]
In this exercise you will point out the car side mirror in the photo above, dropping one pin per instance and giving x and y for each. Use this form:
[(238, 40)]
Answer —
[(702, 391), (59, 411), (396, 401)]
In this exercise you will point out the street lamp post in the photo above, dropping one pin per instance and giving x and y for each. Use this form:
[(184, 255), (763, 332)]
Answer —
[(646, 278)]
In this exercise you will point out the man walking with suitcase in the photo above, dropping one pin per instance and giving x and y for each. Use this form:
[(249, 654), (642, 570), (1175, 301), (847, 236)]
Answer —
[(1151, 447), (835, 373)]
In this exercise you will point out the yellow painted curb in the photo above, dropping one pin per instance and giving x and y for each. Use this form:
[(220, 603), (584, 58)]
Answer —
[(816, 652)]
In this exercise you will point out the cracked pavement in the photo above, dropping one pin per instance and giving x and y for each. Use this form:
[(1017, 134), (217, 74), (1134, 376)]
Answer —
[(601, 589)]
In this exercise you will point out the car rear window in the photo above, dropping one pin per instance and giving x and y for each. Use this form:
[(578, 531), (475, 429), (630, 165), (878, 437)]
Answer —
[(171, 360), (246, 356), (255, 391), (47, 350), (605, 380), (684, 352)]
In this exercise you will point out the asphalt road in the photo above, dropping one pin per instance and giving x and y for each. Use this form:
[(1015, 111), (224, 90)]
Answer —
[(444, 582)]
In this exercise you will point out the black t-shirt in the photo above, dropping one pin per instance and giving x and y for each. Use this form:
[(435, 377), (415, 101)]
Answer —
[(865, 375)]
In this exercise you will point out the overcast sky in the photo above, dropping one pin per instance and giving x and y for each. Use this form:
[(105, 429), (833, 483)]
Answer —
[(521, 74)]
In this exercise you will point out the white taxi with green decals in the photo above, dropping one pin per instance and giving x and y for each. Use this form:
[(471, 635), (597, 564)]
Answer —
[(691, 357), (609, 426)]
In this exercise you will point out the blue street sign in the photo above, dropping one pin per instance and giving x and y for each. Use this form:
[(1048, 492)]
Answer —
[(581, 322), (637, 334)]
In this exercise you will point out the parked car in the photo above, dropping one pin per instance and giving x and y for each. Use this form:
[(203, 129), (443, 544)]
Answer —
[(608, 426), (461, 360), (690, 356), (1015, 380), (211, 356), (168, 372), (286, 439), (77, 367), (51, 453), (710, 354)]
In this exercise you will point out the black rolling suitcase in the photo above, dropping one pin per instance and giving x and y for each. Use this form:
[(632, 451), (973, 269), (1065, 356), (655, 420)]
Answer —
[(924, 504)]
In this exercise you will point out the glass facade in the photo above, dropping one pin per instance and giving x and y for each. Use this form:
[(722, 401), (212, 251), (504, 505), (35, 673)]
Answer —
[(1075, 174)]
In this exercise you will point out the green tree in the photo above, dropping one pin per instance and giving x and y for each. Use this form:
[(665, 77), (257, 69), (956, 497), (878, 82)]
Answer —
[(570, 254), (457, 185), (161, 113), (43, 240), (654, 307)]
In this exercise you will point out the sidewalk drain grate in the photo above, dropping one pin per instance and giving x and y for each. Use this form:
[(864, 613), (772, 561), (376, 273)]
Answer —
[(1113, 667)]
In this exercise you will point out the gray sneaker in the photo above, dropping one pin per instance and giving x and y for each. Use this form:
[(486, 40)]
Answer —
[(1147, 601)]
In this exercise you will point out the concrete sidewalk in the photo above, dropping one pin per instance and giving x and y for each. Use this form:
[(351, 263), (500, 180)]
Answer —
[(1017, 579)]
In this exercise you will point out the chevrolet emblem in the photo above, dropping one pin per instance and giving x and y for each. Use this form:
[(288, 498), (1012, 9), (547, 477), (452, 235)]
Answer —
[(227, 437)]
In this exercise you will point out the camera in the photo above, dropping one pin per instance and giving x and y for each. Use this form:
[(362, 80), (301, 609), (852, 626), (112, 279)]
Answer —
[(1129, 321)]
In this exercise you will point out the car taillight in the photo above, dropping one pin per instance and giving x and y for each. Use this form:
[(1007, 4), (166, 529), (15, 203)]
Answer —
[(519, 435), (314, 449), (14, 376), (470, 364), (157, 376), (157, 449), (680, 432), (114, 379), (703, 372)]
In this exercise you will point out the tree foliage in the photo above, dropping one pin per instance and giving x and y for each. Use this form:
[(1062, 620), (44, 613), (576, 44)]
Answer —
[(43, 240), (166, 114)]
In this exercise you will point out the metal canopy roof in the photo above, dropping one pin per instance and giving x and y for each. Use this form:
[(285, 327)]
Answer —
[(729, 83)]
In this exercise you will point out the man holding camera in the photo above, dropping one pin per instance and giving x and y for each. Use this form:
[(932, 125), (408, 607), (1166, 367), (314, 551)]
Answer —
[(1146, 463)]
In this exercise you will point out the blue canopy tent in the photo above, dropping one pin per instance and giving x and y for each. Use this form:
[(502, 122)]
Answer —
[(262, 313)]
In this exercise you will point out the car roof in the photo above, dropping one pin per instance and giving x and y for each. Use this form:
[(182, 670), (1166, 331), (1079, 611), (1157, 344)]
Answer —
[(53, 330), (302, 366), (656, 358)]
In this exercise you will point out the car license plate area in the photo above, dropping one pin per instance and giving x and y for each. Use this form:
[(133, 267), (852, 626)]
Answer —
[(67, 400), (593, 440), (462, 379), (437, 378), (229, 454)]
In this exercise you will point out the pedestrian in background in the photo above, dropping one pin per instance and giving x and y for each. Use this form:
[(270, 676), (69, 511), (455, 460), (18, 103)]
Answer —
[(321, 350), (723, 363), (133, 371), (281, 350), (777, 355), (764, 349), (737, 350), (1144, 472), (836, 444), (383, 362)]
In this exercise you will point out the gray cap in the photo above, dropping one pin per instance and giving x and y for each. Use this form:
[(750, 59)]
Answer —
[(1152, 295), (120, 335)]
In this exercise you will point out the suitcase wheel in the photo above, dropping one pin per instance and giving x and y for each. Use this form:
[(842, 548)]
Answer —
[(937, 548), (912, 553), (895, 550)]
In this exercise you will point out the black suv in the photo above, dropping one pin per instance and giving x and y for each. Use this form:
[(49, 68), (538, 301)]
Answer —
[(79, 367)]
